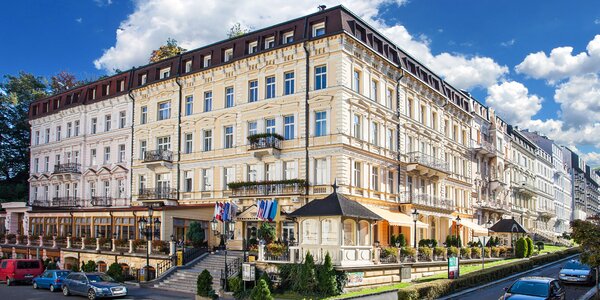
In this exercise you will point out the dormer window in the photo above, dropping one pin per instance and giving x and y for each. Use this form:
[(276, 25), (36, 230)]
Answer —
[(252, 47), (270, 42), (318, 29), (93, 94), (188, 66), (121, 85), (164, 73), (288, 37), (206, 61), (228, 55), (105, 89), (143, 79)]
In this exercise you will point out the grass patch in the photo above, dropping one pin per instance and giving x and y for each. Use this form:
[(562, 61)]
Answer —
[(374, 290), (551, 248), (466, 269)]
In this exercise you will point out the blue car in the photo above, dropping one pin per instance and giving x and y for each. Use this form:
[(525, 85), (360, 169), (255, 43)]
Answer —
[(93, 285), (50, 279)]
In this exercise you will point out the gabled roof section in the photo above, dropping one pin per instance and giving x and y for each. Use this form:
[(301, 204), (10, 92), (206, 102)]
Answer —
[(335, 205), (508, 226)]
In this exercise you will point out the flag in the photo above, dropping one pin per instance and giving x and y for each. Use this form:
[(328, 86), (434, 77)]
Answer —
[(273, 212), (225, 211), (220, 215), (261, 207), (234, 209), (267, 211), (216, 212)]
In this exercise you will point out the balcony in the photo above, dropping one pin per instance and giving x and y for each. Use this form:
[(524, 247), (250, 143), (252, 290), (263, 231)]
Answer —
[(493, 206), (546, 212), (266, 188), (428, 201), (58, 202), (265, 144), (526, 188), (497, 183), (484, 148), (159, 193), (154, 158), (104, 201), (68, 168), (427, 165)]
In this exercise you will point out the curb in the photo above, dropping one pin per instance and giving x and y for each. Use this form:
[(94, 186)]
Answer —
[(455, 295), (589, 295)]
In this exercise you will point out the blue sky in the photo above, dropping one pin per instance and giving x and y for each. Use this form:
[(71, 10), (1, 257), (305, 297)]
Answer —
[(475, 45)]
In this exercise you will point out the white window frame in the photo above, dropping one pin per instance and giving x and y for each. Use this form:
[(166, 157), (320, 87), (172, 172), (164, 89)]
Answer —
[(228, 55), (164, 73), (318, 29)]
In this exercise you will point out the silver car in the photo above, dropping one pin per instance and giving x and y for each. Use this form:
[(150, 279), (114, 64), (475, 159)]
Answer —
[(576, 272), (93, 285)]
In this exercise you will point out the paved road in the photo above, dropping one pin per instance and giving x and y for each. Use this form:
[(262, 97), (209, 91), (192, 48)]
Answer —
[(27, 292), (497, 290)]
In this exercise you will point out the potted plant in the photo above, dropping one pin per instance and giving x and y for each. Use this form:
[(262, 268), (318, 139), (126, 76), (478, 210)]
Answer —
[(438, 253), (138, 243), (465, 253), (453, 251), (408, 252), (475, 252), (426, 253)]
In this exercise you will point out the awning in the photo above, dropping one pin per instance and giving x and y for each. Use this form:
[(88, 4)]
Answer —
[(477, 229), (395, 218)]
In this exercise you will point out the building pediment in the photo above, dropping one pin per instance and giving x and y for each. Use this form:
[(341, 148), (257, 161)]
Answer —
[(89, 173)]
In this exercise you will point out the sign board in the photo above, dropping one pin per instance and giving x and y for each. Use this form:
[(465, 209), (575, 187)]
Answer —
[(179, 257), (248, 272), (355, 278), (453, 267), (482, 239)]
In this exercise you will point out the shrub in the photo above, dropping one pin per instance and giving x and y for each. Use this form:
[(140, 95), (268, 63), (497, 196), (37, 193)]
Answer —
[(115, 271), (401, 239), (426, 252), (204, 285), (89, 267), (439, 251), (521, 248), (121, 243), (196, 234), (265, 276), (529, 246), (408, 251), (104, 241), (138, 243), (89, 241), (261, 291), (453, 251), (465, 252), (539, 245), (266, 232), (431, 243), (475, 252), (289, 275), (496, 251), (487, 252), (326, 278), (51, 266), (308, 276), (276, 249), (75, 267), (390, 251)]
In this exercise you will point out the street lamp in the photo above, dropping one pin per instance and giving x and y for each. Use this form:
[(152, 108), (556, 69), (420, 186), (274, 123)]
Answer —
[(226, 233), (415, 215), (145, 227), (457, 233)]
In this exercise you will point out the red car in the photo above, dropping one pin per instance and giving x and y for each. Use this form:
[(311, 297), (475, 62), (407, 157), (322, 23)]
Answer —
[(20, 270)]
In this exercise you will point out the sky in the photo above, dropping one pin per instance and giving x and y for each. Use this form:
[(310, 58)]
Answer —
[(537, 62)]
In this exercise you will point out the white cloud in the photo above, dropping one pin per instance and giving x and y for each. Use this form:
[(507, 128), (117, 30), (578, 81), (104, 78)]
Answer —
[(592, 158), (579, 99), (513, 102), (102, 3), (196, 23), (561, 63), (79, 20), (597, 21), (508, 43)]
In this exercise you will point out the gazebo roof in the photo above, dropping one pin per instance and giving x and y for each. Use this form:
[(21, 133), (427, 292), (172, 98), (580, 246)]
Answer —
[(335, 205), (508, 226)]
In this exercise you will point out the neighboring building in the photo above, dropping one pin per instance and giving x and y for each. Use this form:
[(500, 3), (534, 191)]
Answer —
[(585, 198), (523, 178)]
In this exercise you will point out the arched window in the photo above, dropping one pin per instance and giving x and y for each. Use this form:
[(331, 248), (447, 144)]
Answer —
[(329, 232), (349, 232), (309, 231), (364, 236)]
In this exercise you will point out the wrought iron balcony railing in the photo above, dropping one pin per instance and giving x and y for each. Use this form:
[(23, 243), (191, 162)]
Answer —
[(484, 146), (57, 202), (159, 193), (265, 141), (67, 168), (428, 161), (266, 188), (158, 155), (427, 200), (102, 201)]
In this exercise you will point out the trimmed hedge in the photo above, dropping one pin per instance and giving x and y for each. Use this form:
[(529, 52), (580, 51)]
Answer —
[(438, 288)]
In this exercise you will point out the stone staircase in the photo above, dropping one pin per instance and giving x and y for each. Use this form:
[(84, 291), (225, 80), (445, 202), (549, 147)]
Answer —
[(184, 279)]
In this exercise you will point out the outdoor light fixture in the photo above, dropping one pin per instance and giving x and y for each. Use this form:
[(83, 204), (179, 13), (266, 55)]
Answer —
[(415, 215)]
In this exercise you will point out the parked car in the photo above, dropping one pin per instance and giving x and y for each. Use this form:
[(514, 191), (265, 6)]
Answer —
[(534, 288), (93, 285), (20, 270), (50, 279), (576, 272)]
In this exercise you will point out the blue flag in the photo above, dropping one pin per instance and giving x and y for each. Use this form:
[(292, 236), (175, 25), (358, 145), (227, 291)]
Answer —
[(273, 212)]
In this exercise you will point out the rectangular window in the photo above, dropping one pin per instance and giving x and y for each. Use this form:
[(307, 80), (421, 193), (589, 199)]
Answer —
[(228, 55), (375, 178), (207, 101), (121, 153), (229, 100), (374, 90), (289, 83), (143, 79), (320, 77), (207, 140), (188, 66), (320, 123), (252, 128), (357, 127), (357, 174), (228, 177), (321, 171), (375, 133), (188, 184), (289, 170), (270, 87), (288, 127), (189, 143), (270, 42), (270, 125), (93, 156), (390, 184), (37, 138), (207, 61), (107, 122), (58, 133), (69, 129), (163, 143), (76, 133), (228, 142), (94, 125), (36, 164), (189, 105), (142, 182), (390, 139), (356, 81), (164, 110), (144, 115), (253, 91), (389, 99), (47, 136), (106, 155), (143, 148), (206, 179), (164, 73), (288, 37), (252, 47), (122, 119), (269, 172), (318, 29), (46, 163)]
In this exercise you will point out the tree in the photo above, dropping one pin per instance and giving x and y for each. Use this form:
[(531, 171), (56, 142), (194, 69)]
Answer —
[(63, 81), (115, 271), (529, 246), (521, 248), (236, 30), (308, 279), (401, 239), (261, 291), (16, 94), (89, 267), (266, 232), (587, 235), (326, 278), (196, 234), (204, 285), (170, 49)]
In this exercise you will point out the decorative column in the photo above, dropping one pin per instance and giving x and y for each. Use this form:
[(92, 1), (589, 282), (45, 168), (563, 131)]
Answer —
[(114, 247), (97, 244), (68, 242), (261, 252), (41, 241), (172, 248), (54, 241), (130, 246), (28, 240), (17, 239), (149, 245), (83, 242)]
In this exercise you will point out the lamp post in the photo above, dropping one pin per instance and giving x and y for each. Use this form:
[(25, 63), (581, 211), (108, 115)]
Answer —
[(226, 233), (415, 215), (145, 227), (458, 242)]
